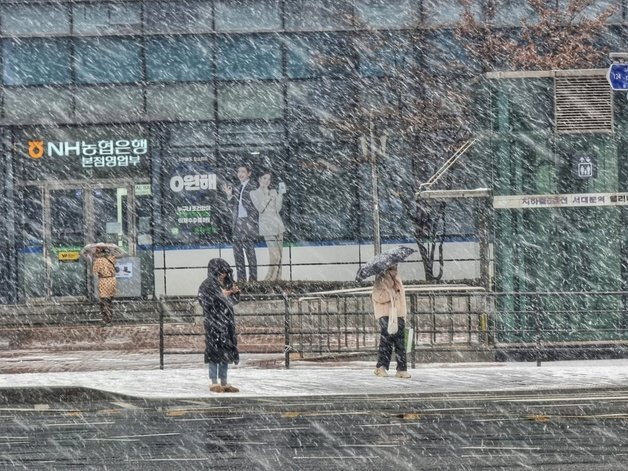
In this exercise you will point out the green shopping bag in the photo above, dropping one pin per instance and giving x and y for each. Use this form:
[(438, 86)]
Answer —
[(408, 338)]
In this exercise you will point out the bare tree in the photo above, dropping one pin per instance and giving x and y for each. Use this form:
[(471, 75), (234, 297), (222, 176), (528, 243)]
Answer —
[(557, 36), (416, 112)]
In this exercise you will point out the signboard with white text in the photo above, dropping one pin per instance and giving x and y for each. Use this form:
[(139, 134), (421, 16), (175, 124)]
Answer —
[(70, 153), (578, 200)]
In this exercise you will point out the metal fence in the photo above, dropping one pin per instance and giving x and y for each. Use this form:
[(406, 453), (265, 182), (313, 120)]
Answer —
[(332, 323), (539, 325), (517, 325)]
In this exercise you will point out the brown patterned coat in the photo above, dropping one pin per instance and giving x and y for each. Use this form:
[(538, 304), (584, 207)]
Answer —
[(105, 268)]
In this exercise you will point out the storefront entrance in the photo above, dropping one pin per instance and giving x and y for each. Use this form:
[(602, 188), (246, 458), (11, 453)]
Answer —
[(60, 218)]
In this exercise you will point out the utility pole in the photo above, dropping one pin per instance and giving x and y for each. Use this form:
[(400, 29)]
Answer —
[(370, 152)]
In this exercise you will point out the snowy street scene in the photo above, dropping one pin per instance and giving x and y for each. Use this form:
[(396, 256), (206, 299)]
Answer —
[(565, 415), (313, 234)]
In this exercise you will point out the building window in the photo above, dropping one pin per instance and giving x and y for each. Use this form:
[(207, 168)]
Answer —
[(190, 135), (598, 7), (379, 96), (315, 15), (443, 51), (36, 61), (178, 59), (325, 186), (35, 20), (31, 263), (187, 101), (109, 104), (438, 13), (384, 55), (37, 105), (250, 134), (321, 99), (250, 101), (385, 14), (182, 16), (525, 105), (241, 58), (319, 56), (248, 15), (107, 18), (107, 60), (513, 12)]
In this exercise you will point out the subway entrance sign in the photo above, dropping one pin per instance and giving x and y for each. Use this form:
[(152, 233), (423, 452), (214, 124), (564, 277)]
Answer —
[(618, 76)]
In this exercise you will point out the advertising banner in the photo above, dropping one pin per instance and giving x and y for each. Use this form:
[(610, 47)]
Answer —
[(189, 192)]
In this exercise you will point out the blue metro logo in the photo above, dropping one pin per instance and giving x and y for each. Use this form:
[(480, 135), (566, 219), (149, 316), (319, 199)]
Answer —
[(618, 77)]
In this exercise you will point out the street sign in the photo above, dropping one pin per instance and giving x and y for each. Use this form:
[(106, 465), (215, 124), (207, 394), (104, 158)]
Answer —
[(618, 77)]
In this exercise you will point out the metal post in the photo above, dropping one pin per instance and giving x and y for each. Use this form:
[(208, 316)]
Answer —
[(161, 333), (484, 232), (414, 325), (286, 331), (537, 326), (369, 150)]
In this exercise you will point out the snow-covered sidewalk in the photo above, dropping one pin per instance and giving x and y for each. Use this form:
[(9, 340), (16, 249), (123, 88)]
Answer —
[(307, 379)]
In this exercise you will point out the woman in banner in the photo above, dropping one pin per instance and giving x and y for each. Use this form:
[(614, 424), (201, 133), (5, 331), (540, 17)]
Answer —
[(268, 203)]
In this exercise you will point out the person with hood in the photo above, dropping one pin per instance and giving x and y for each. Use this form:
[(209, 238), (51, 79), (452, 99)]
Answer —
[(217, 295), (389, 303)]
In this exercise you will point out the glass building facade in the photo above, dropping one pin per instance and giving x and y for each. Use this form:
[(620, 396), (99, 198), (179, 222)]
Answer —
[(121, 121), (560, 194)]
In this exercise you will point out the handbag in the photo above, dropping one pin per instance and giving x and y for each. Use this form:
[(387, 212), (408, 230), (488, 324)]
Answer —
[(408, 338), (393, 322)]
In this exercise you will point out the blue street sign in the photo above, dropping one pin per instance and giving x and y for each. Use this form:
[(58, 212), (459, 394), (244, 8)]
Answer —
[(618, 76)]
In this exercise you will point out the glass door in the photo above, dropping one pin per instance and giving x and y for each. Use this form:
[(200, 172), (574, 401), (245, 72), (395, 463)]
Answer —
[(65, 238), (59, 219), (110, 216), (76, 215)]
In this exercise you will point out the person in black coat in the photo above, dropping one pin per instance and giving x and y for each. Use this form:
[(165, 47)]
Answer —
[(217, 295)]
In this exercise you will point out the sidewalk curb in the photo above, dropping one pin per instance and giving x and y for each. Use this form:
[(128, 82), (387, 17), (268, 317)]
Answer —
[(80, 394)]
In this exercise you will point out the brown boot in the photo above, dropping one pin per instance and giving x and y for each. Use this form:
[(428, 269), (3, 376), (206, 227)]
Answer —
[(217, 388), (230, 389)]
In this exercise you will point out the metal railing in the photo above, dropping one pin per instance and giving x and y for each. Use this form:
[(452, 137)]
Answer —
[(181, 319), (339, 323), (333, 323), (76, 312), (539, 323)]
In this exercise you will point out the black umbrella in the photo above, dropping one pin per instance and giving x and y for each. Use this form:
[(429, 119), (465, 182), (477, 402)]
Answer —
[(380, 263)]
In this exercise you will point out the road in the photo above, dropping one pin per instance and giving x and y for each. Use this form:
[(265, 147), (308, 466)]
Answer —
[(91, 430)]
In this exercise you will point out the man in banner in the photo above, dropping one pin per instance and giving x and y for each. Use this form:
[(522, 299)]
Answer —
[(245, 223)]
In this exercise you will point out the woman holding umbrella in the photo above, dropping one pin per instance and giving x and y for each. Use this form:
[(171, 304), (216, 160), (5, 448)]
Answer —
[(105, 268), (389, 306)]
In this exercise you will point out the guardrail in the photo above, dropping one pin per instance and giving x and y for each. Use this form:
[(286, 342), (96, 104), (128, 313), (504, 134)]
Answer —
[(76, 312), (530, 325), (335, 322), (183, 319)]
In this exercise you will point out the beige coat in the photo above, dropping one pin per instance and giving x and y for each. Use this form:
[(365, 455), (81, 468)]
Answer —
[(268, 205), (384, 287), (105, 269)]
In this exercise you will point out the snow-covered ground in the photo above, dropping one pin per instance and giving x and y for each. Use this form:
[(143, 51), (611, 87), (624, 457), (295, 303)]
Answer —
[(354, 377)]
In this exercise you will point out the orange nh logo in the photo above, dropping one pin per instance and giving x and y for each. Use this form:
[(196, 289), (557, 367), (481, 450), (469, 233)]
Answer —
[(36, 149)]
